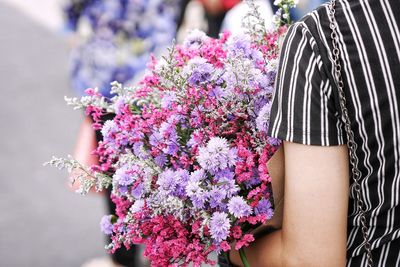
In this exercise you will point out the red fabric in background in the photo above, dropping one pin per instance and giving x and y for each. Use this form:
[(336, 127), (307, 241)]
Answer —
[(228, 4)]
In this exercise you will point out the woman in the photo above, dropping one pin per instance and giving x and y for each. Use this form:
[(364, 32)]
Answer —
[(321, 223)]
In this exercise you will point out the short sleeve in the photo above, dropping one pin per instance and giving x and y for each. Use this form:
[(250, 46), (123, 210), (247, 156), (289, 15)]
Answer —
[(303, 109)]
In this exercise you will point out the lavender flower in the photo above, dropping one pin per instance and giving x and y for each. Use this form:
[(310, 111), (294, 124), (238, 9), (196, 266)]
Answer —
[(155, 139), (216, 197), (229, 186), (182, 178), (139, 150), (125, 176), (137, 192), (224, 175), (106, 225), (167, 182), (219, 226), (108, 130), (168, 98), (240, 45), (199, 71), (238, 207), (264, 207), (160, 160), (119, 106), (195, 39), (217, 155), (197, 176), (199, 199), (262, 121), (123, 190), (274, 141)]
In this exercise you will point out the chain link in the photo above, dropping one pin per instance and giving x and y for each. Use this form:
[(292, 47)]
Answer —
[(352, 145)]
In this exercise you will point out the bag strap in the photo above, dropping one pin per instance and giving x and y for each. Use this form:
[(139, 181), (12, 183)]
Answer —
[(349, 132)]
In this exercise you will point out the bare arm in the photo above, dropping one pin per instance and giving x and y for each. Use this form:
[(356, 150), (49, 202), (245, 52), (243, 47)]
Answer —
[(314, 229)]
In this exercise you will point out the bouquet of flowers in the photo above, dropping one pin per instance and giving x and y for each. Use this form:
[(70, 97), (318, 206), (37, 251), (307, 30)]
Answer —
[(120, 35), (187, 150)]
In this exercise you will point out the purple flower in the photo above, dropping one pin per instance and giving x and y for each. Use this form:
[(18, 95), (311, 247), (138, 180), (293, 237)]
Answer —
[(238, 207), (197, 176), (274, 141), (109, 129), (167, 182), (257, 56), (230, 79), (259, 102), (217, 155), (194, 189), (265, 82), (218, 92), (182, 178), (264, 207), (125, 176), (224, 175), (240, 45), (137, 192), (168, 98), (216, 197), (123, 190), (195, 39), (199, 71), (155, 139), (106, 225), (119, 106), (171, 149), (262, 120), (199, 199), (230, 187), (160, 160), (219, 226), (139, 150)]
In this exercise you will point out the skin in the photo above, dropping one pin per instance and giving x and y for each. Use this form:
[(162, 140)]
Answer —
[(315, 202), (85, 144)]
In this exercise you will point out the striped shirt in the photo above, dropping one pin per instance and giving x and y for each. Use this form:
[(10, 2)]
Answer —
[(306, 108)]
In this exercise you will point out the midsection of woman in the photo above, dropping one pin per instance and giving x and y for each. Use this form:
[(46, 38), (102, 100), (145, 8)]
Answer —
[(306, 111)]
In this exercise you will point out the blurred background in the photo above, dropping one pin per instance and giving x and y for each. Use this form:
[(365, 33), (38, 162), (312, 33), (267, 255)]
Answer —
[(42, 222)]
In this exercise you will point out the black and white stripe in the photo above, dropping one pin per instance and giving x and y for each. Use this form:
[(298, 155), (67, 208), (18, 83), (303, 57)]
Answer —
[(306, 108)]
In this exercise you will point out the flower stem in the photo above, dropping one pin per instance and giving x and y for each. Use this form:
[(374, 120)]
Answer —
[(243, 258)]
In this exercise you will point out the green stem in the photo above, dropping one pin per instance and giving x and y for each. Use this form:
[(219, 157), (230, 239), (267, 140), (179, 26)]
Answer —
[(243, 258)]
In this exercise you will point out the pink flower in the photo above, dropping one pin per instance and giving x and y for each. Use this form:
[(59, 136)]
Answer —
[(245, 241)]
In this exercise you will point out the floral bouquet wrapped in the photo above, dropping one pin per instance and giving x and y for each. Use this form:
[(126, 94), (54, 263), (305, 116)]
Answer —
[(187, 150)]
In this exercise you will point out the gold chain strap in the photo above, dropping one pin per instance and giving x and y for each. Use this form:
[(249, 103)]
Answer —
[(349, 132)]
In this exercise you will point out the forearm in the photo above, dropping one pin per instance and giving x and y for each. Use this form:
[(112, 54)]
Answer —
[(266, 252)]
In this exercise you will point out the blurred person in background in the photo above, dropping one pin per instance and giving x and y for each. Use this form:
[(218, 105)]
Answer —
[(215, 11), (303, 7), (112, 41), (233, 18)]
